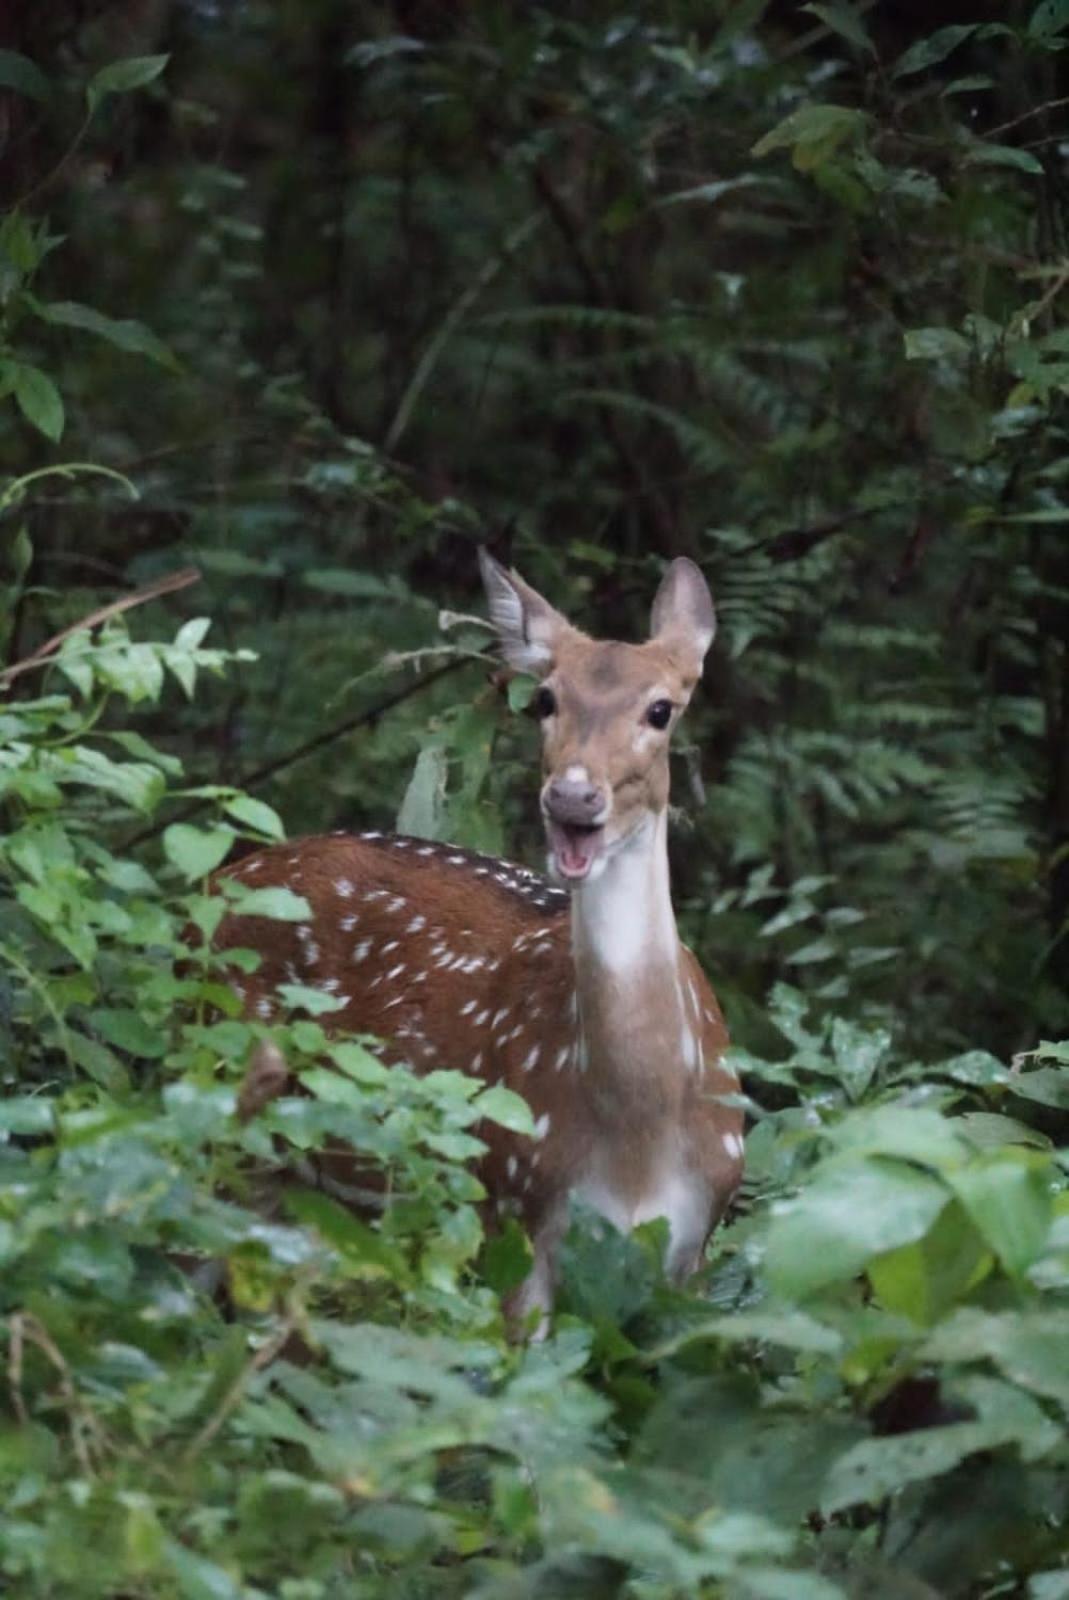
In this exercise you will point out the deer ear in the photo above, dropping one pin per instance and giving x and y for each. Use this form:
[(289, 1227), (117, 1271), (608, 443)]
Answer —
[(529, 628), (683, 618)]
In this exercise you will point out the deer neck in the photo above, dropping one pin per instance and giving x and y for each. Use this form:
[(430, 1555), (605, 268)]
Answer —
[(636, 1037)]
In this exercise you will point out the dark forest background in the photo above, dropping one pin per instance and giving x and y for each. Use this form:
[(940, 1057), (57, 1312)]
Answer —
[(327, 294)]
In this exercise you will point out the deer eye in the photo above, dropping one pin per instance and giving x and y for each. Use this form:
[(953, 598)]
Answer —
[(544, 703), (659, 715)]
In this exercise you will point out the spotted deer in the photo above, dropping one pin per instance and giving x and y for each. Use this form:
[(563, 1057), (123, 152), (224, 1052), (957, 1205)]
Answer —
[(576, 993)]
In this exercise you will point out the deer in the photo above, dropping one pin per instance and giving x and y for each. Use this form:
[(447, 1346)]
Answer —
[(575, 991)]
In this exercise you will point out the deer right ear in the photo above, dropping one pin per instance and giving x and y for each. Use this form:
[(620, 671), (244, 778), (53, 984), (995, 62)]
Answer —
[(528, 627)]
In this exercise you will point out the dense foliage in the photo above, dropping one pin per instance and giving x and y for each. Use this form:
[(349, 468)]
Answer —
[(315, 297)]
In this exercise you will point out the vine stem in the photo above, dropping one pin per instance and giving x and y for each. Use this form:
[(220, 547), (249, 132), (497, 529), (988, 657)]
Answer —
[(169, 584)]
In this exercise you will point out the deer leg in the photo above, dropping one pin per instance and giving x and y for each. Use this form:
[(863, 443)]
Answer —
[(536, 1293)]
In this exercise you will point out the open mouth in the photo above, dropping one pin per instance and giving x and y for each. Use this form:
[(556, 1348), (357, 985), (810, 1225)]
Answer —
[(575, 847)]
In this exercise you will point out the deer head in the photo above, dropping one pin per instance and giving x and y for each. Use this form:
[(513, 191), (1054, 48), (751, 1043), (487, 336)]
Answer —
[(607, 711)]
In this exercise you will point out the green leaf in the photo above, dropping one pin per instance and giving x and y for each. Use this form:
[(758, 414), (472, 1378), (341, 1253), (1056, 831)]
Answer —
[(1049, 1586), (21, 554), (936, 344), (521, 691), (276, 902), (120, 77), (39, 400), (128, 1030), (850, 1212), (358, 585), (18, 72), (357, 1062), (982, 154), (27, 1114), (924, 1279), (935, 48), (196, 851), (1049, 1086), (302, 997), (875, 1468), (124, 334), (842, 19), (361, 1246), (422, 812), (507, 1257), (505, 1108), (790, 1329), (198, 1578), (1050, 18), (1028, 1347), (812, 132), (255, 814), (192, 633), (1008, 1196)]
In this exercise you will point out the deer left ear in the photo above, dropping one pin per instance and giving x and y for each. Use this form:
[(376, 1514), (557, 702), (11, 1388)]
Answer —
[(683, 618), (528, 627)]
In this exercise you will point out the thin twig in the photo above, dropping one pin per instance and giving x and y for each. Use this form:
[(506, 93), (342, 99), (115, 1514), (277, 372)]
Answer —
[(15, 1347), (233, 1396), (25, 1327), (1033, 111), (452, 320), (599, 294), (151, 591), (251, 780)]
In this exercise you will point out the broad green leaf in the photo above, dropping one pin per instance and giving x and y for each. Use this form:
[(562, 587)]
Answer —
[(1049, 18), (1008, 1195), (849, 1213), (924, 1279), (935, 48), (844, 20), (507, 1257), (302, 997), (982, 154), (505, 1108), (357, 1062), (120, 77), (197, 1578), (363, 1248), (128, 1030), (936, 344), (812, 132), (134, 670), (1048, 1586), (27, 1114), (276, 902), (39, 400), (1028, 1347), (858, 1053), (135, 783), (196, 851), (192, 633), (422, 812), (358, 585), (255, 814), (876, 1468), (124, 334), (18, 72), (911, 1133), (791, 1329), (1049, 1086)]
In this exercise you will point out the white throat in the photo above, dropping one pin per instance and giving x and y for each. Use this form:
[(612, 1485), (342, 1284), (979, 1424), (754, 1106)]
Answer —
[(622, 920)]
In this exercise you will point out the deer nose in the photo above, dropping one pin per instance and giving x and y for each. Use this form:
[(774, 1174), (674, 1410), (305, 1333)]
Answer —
[(576, 804)]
